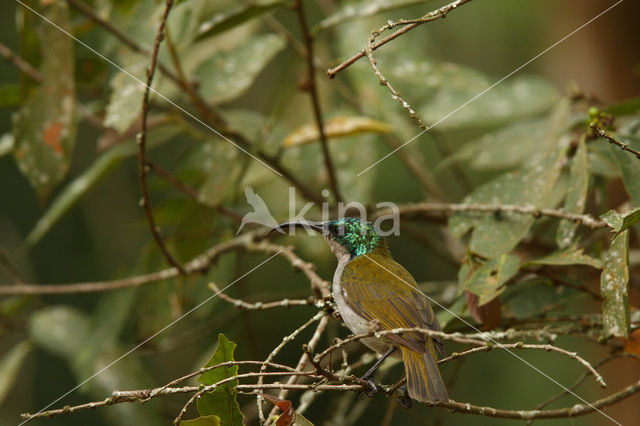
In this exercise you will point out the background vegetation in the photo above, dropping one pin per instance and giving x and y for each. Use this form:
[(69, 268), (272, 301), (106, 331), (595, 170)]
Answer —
[(502, 202)]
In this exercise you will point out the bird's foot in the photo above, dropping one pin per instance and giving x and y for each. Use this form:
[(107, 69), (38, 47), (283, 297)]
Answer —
[(404, 399), (371, 392)]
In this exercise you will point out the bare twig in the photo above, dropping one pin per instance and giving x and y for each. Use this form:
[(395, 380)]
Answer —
[(576, 410), (583, 377), (408, 26), (304, 359), (320, 287), (475, 339), (197, 265), (142, 139), (260, 306), (315, 99), (603, 134), (520, 345), (414, 210), (20, 63)]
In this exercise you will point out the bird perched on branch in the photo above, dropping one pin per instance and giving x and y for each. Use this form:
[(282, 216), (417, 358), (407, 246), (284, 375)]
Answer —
[(371, 288)]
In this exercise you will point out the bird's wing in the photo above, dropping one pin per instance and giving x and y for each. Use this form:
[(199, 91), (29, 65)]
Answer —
[(381, 289)]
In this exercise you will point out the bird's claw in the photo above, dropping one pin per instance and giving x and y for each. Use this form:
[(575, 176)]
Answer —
[(371, 392), (404, 399)]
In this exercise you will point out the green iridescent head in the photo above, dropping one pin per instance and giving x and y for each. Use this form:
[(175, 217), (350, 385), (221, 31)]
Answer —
[(357, 236)]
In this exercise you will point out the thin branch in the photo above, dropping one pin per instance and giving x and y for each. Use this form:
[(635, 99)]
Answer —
[(461, 407), (413, 210), (20, 63), (261, 306), (315, 98), (197, 265), (142, 139), (201, 263), (304, 359), (520, 345), (483, 346), (212, 387), (603, 134), (408, 26), (278, 348), (211, 117), (583, 378), (320, 287)]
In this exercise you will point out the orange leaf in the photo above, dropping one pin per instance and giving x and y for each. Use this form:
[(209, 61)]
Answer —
[(288, 414)]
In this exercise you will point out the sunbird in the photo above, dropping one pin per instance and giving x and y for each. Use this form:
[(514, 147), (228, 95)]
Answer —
[(371, 289)]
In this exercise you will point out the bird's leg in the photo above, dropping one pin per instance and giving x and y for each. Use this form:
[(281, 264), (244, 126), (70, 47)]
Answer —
[(404, 399), (368, 376)]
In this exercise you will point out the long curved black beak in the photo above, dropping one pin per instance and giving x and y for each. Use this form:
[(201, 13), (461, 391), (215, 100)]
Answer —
[(305, 224)]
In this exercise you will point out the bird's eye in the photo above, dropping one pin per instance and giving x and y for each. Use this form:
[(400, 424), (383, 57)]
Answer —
[(337, 230)]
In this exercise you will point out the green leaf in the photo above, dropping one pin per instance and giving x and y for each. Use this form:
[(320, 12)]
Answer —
[(210, 420), (569, 256), (88, 179), (537, 296), (614, 287), (301, 421), (495, 234), (10, 364), (228, 74), (576, 195), (524, 96), (62, 330), (335, 127), (625, 107), (222, 400), (507, 147), (621, 222), (446, 87), (184, 21), (630, 170), (456, 310), (125, 103), (45, 127), (227, 20), (361, 9), (487, 281), (9, 95)]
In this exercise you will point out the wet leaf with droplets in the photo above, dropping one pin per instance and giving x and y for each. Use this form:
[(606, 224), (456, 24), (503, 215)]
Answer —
[(576, 195), (495, 234), (228, 74), (125, 103), (621, 222), (568, 256), (231, 19), (614, 287)]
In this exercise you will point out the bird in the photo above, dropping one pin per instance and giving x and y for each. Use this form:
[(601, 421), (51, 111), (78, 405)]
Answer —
[(371, 288)]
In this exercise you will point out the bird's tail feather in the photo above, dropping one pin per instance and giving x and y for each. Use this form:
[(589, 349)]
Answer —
[(424, 382)]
